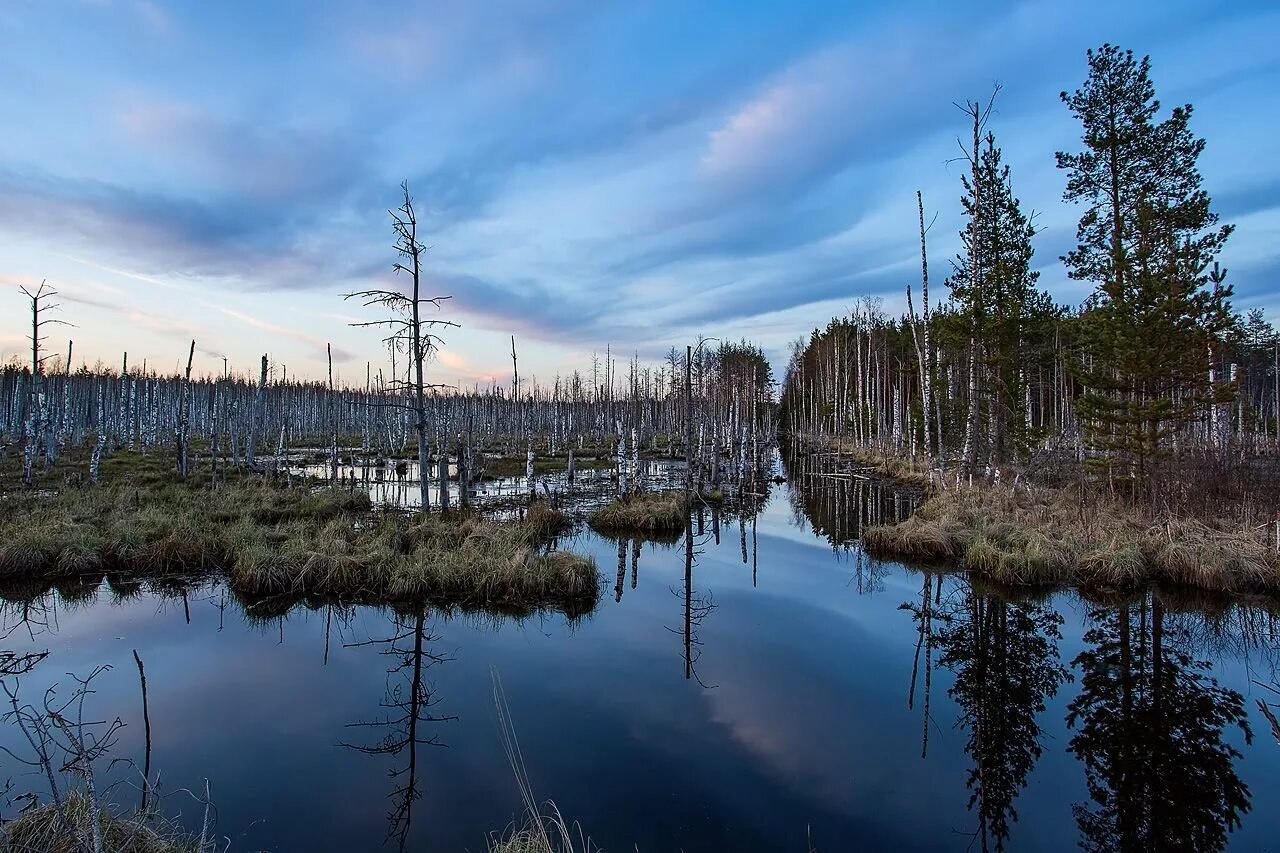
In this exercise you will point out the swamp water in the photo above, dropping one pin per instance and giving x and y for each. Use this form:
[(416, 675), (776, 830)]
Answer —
[(793, 692)]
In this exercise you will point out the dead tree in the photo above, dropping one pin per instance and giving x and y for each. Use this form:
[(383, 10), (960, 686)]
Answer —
[(184, 414), (35, 420), (408, 331), (256, 421)]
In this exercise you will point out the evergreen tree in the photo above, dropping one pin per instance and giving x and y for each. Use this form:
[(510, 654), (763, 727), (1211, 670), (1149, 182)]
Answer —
[(1146, 239), (1000, 300), (1005, 658)]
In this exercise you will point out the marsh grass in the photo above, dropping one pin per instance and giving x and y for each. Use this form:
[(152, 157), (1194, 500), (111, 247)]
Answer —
[(43, 829), (545, 520), (643, 512), (542, 828), (1022, 537), (307, 540)]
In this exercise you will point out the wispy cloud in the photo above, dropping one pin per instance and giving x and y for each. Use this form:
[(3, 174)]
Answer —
[(587, 173), (322, 346)]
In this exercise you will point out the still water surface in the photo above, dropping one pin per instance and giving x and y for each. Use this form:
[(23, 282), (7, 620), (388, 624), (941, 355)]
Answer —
[(801, 693)]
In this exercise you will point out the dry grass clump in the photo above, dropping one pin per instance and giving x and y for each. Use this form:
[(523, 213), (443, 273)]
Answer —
[(642, 512), (501, 565), (544, 519), (43, 829), (1019, 537), (916, 538), (457, 560)]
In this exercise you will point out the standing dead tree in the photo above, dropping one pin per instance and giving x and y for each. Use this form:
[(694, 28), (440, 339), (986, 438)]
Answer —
[(184, 415), (409, 331), (36, 420)]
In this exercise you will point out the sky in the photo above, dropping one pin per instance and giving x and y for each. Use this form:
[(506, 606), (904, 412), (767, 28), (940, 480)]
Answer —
[(587, 174)]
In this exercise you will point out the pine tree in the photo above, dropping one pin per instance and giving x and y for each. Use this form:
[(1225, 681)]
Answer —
[(1000, 301), (1146, 239)]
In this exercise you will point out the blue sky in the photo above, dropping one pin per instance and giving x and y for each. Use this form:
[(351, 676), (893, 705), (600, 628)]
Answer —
[(588, 173)]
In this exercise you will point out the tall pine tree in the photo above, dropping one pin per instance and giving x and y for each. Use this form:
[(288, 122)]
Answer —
[(1146, 240)]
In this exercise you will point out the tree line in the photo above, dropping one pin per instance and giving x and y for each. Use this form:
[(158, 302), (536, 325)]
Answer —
[(1154, 364)]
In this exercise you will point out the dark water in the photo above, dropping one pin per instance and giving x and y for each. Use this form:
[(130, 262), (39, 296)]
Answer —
[(799, 691)]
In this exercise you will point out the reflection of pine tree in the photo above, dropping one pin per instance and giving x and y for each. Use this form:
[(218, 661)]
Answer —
[(1005, 659), (1149, 725)]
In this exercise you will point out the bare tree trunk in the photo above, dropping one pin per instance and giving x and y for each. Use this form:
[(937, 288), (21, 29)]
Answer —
[(333, 417), (184, 413), (975, 294), (96, 459)]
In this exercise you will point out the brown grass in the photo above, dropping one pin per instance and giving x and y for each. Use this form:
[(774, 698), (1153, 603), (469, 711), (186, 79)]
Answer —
[(643, 512), (1023, 537), (42, 829), (270, 541)]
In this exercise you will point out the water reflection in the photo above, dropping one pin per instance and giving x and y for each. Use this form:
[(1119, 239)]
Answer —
[(697, 605), (836, 499), (1005, 661), (407, 706), (1040, 721), (1149, 725)]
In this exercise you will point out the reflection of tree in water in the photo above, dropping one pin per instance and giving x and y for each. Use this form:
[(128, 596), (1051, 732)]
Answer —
[(407, 705), (1247, 631), (837, 502), (696, 606), (923, 614), (623, 543), (27, 617), (1004, 655), (1149, 729)]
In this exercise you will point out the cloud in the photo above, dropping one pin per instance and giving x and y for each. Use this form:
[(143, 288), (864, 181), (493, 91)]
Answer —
[(163, 234), (322, 346), (276, 161), (587, 173)]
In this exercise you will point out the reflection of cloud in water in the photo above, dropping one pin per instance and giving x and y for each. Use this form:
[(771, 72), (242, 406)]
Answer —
[(832, 731)]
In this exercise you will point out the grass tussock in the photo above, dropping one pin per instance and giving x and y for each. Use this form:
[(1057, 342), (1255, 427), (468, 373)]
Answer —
[(273, 541), (643, 512), (1048, 537), (544, 519), (43, 829)]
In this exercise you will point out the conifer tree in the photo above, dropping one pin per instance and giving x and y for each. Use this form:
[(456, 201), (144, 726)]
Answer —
[(1146, 240), (1004, 305)]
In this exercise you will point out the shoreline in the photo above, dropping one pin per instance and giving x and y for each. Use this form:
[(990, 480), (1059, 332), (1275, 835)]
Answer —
[(1030, 536)]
